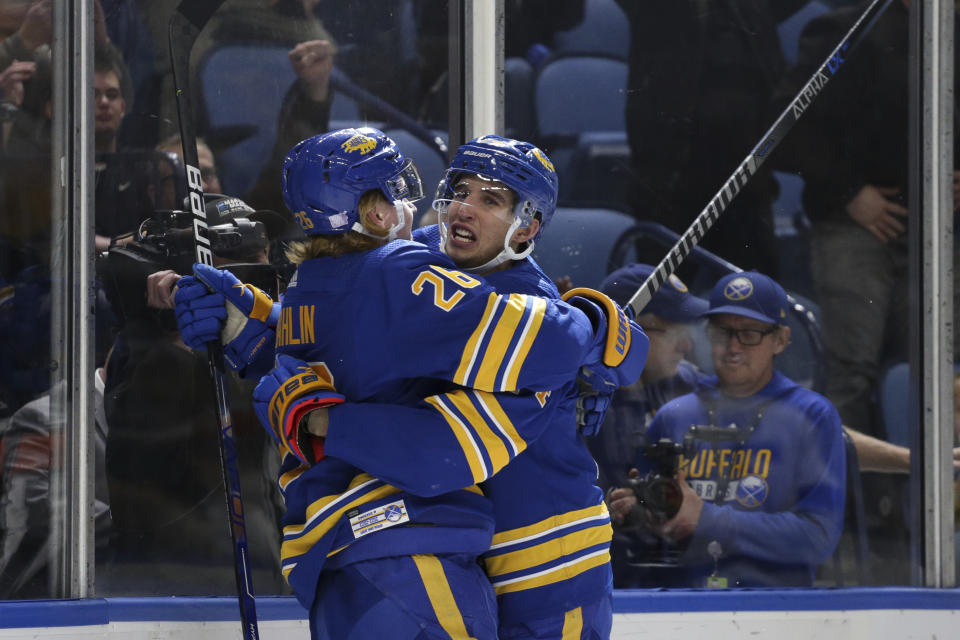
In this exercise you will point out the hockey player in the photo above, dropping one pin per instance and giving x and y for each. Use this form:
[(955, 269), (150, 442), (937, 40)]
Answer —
[(403, 313), (549, 562)]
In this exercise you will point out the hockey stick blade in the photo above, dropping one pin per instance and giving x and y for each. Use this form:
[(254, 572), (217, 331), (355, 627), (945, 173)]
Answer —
[(185, 24), (743, 173)]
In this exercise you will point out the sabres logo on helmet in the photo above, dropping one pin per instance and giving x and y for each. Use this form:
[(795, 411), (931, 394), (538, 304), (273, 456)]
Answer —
[(738, 289), (544, 160), (363, 144), (677, 283)]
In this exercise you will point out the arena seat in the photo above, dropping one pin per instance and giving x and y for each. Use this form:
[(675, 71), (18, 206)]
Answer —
[(604, 30), (266, 67)]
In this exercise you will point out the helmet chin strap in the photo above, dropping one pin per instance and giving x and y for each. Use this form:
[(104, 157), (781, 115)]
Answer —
[(393, 231), (506, 254)]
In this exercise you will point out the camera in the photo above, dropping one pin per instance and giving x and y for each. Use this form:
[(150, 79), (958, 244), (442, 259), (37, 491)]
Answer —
[(658, 491), (165, 241)]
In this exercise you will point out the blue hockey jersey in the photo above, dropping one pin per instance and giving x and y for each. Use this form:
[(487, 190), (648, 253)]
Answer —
[(782, 511), (550, 551), (383, 324)]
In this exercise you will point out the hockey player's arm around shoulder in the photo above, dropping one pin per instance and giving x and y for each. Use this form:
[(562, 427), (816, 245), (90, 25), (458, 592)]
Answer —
[(503, 342), (446, 442), (213, 305)]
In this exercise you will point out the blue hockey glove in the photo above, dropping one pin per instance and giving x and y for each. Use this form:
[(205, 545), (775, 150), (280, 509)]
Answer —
[(213, 305), (621, 351), (283, 398), (592, 407)]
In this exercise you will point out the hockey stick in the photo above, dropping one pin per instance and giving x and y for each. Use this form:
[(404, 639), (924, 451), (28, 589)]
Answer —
[(341, 83), (185, 25), (702, 223)]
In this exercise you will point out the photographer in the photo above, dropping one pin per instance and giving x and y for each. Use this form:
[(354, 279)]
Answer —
[(165, 487), (762, 506)]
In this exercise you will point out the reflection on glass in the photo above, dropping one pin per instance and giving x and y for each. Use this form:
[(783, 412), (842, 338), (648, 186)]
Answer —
[(28, 431), (646, 109), (265, 75)]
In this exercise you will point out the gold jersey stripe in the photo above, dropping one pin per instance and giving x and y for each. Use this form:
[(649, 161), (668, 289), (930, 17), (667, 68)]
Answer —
[(572, 624), (503, 334), (300, 545), (548, 551), (499, 417), (440, 595), (549, 525), (530, 331), (556, 574), (473, 344), (496, 450), (470, 450)]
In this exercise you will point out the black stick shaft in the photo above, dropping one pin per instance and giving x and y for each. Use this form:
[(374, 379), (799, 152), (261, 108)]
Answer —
[(699, 227), (185, 25)]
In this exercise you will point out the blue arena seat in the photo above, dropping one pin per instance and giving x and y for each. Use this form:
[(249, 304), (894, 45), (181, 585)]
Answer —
[(578, 93), (267, 68), (790, 29), (604, 30), (894, 402), (518, 116), (574, 96), (578, 243)]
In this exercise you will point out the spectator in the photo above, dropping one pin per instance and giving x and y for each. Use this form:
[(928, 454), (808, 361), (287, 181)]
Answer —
[(26, 446), (666, 320), (851, 148), (699, 85), (169, 528), (767, 509)]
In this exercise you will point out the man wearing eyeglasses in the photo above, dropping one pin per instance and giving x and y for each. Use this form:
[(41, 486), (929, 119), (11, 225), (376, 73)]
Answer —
[(763, 506)]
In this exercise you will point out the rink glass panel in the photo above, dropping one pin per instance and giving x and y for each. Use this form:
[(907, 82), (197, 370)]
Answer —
[(160, 523), (646, 110)]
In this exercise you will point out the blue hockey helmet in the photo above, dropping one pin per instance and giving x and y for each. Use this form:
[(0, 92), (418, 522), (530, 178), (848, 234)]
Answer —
[(325, 176), (523, 167)]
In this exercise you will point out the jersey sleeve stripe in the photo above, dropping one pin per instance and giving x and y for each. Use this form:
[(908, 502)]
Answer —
[(317, 507), (496, 450), (286, 478), (548, 527), (519, 355), (498, 418), (294, 546), (471, 450), (470, 352), (558, 573), (503, 335)]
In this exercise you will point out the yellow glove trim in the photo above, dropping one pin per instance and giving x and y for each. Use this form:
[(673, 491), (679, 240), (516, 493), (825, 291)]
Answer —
[(618, 325)]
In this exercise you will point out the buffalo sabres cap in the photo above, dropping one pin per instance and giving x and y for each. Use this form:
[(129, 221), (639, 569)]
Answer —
[(750, 294), (672, 301)]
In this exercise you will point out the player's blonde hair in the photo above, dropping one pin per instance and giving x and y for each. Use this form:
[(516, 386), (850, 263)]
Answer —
[(335, 245)]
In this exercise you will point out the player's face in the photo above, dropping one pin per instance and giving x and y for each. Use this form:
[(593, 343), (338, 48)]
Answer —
[(669, 343), (109, 105), (743, 370), (479, 217)]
